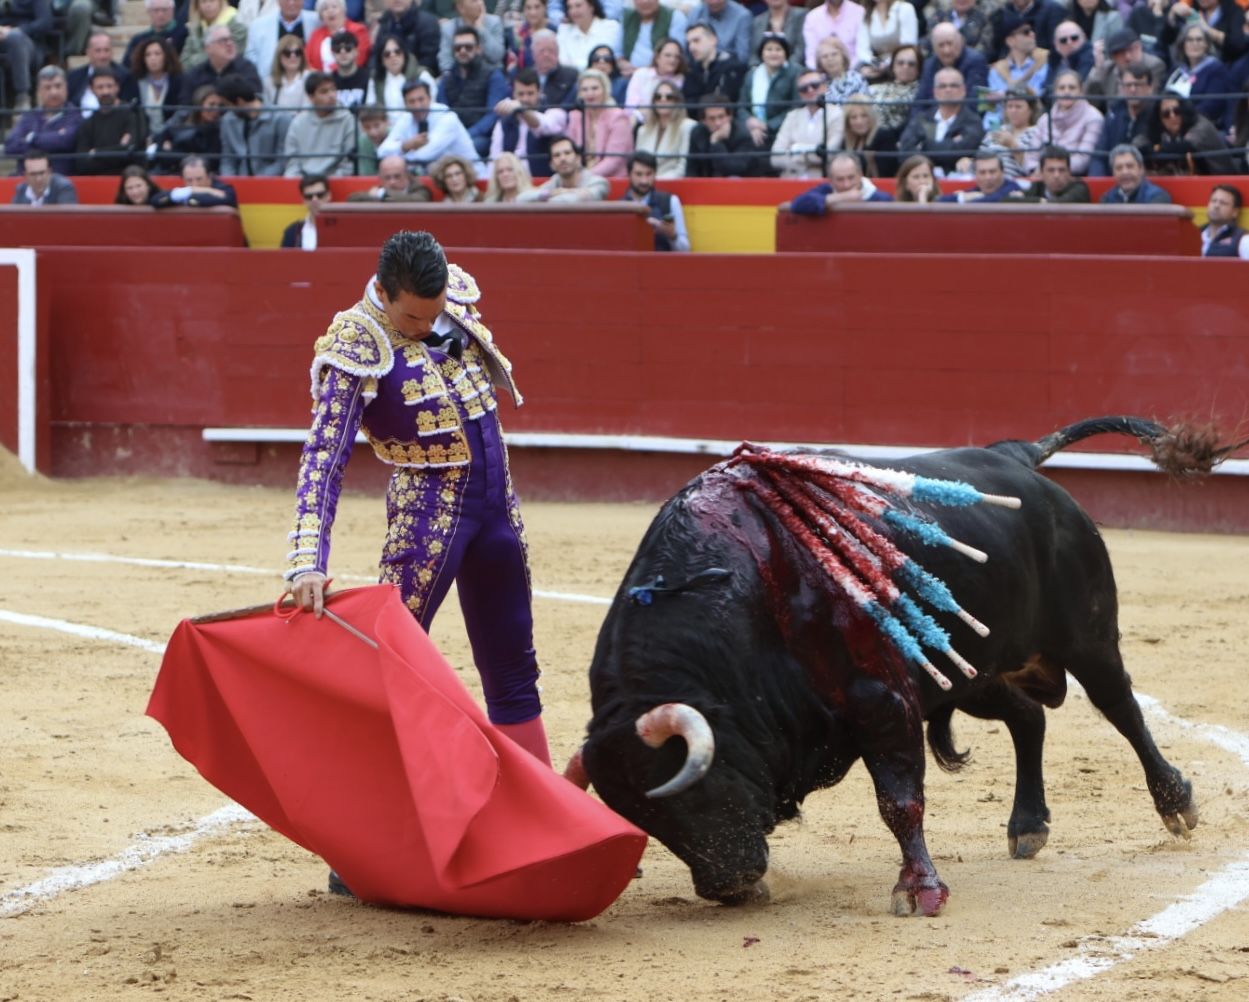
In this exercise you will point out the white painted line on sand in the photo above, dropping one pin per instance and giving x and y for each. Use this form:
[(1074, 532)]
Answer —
[(80, 630), (145, 849)]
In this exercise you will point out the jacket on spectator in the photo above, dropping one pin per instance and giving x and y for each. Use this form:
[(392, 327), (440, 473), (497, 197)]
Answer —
[(513, 135), (54, 134), (1076, 193), (779, 100), (612, 141), (1002, 194), (791, 29), (1081, 61), (254, 146), (133, 92), (1230, 20), (204, 73), (264, 32), (971, 64), (60, 191), (736, 156), (559, 89), (473, 94), (492, 37), (1147, 194), (732, 26), (193, 53), (1103, 81), (1043, 15), (420, 31), (32, 17), (79, 81), (222, 195), (174, 33), (661, 28), (317, 145), (725, 74), (811, 202), (803, 137), (116, 135), (1076, 131), (1200, 150), (961, 139), (1210, 76), (975, 29)]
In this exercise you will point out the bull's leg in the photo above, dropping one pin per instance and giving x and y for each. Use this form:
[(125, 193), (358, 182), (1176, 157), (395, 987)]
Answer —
[(1027, 831), (1110, 690)]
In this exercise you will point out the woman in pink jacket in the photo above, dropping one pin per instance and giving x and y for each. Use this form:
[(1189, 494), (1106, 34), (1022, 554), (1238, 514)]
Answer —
[(1076, 125), (600, 127)]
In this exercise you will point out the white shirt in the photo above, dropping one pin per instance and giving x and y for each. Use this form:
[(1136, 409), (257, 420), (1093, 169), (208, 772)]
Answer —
[(308, 235), (446, 135), (576, 45), (1207, 236)]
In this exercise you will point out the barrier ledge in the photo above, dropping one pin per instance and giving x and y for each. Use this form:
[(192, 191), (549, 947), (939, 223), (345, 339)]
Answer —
[(120, 226)]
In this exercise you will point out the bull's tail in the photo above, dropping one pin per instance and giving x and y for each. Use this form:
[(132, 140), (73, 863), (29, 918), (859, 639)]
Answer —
[(941, 740), (1183, 450)]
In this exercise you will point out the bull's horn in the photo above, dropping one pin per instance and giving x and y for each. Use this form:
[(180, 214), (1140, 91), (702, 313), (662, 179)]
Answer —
[(656, 726)]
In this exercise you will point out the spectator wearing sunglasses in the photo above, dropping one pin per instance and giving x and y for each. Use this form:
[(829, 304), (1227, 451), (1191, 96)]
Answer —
[(351, 79), (314, 189), (1024, 65), (665, 131), (490, 35), (1042, 15), (333, 15), (808, 133), (1072, 51), (417, 29), (1180, 140), (896, 94), (284, 83), (472, 90), (602, 58), (268, 31)]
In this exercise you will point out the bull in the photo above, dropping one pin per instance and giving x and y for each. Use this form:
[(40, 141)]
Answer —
[(731, 678)]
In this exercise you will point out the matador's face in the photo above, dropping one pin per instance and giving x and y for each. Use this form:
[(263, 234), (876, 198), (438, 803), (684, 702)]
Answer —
[(411, 315)]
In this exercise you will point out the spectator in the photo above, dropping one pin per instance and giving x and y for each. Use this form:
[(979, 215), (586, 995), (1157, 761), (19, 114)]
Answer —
[(161, 25), (947, 133), (602, 129), (779, 17), (1240, 131), (194, 131), (109, 139), (720, 146), (876, 148), (1072, 51), (1178, 140), (1131, 186), (1224, 22), (1222, 235), (731, 22), (472, 90), (1124, 49), (1043, 15), (668, 65), (894, 95), (374, 126), (333, 17), (846, 183), (1071, 123), (1149, 19), (559, 83), (665, 131), (350, 78), (455, 178), (418, 32), (643, 28), (223, 61), (302, 234), (1096, 19), (155, 83), (206, 15), (490, 34), (23, 27), (604, 60), (992, 184), (253, 140), (1024, 65), (1057, 184), (711, 70), (524, 128), (395, 183), (969, 19), (950, 52), (321, 138), (51, 127), (833, 60), (136, 188), (890, 24), (509, 179), (832, 19), (917, 181), (99, 57), (1125, 120), (666, 217), (768, 91), (199, 189), (1014, 138), (809, 132), (570, 182), (284, 85), (533, 19), (1202, 75), (393, 67), (430, 131), (269, 31), (585, 28), (40, 185)]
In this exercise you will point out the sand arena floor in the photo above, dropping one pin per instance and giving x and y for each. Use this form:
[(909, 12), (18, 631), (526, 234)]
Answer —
[(179, 907)]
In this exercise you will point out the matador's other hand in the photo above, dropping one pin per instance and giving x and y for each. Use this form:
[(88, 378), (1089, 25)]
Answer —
[(308, 590)]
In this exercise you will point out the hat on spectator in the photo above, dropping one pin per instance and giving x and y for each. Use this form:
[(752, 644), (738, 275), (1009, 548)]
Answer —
[(343, 39), (1012, 22), (1121, 40)]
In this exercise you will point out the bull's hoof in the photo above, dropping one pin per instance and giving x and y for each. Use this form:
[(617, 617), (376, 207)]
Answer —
[(756, 894), (1026, 846), (926, 901), (1183, 822)]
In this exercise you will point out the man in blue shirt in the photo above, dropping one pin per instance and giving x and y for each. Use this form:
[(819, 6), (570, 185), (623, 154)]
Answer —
[(1132, 187), (846, 183), (992, 184)]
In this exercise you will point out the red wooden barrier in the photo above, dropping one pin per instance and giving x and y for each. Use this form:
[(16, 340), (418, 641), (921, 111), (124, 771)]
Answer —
[(118, 226), (618, 226), (1011, 228)]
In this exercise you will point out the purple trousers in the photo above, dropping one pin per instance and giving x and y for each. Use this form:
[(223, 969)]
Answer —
[(463, 524)]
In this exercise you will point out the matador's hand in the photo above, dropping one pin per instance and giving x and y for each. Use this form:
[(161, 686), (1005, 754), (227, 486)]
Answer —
[(308, 590)]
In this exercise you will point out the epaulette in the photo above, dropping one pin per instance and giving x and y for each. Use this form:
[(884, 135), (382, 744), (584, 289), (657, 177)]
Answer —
[(354, 343), (461, 286)]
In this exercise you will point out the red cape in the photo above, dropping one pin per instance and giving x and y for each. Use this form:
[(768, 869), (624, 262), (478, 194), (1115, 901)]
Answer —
[(380, 762)]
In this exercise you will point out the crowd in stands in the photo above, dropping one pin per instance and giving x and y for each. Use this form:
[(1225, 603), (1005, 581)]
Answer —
[(574, 92)]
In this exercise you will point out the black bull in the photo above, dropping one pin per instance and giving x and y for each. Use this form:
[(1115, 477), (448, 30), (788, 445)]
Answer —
[(796, 684)]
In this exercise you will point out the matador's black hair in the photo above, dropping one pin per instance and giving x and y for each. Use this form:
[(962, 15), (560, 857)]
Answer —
[(412, 262)]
